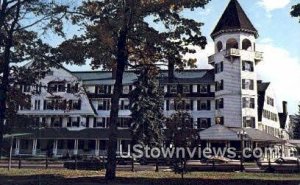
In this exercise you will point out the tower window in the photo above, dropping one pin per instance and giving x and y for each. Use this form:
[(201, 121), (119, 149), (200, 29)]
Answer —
[(220, 85), (248, 84), (249, 121), (219, 67), (248, 102), (248, 66), (232, 44), (219, 46), (246, 45), (219, 104), (220, 120)]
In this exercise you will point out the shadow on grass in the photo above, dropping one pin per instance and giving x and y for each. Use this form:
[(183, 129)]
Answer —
[(59, 180)]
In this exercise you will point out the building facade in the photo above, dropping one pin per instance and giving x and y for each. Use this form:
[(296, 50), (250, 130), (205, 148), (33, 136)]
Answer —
[(71, 109)]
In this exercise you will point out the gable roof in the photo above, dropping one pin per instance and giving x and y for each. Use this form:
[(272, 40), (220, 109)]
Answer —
[(234, 19)]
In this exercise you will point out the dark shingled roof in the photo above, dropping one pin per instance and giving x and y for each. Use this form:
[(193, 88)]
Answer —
[(282, 118), (234, 19), (261, 88)]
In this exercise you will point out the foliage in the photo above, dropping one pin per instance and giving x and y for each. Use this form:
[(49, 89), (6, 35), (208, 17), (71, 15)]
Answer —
[(180, 131), (147, 108), (296, 11), (295, 121), (21, 22), (118, 35)]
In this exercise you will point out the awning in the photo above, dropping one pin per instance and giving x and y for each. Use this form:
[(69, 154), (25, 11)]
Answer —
[(219, 133), (64, 133), (222, 133)]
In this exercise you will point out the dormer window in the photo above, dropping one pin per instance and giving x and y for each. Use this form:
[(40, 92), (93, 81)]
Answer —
[(54, 87)]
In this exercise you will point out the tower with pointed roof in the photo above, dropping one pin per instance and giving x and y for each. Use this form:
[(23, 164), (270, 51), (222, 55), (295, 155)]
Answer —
[(235, 62)]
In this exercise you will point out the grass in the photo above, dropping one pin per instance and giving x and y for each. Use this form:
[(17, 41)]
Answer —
[(56, 177)]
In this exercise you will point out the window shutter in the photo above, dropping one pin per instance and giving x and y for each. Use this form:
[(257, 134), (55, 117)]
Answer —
[(216, 68), (87, 122), (45, 105), (251, 85), (76, 88), (68, 88), (208, 105), (198, 88), (79, 104), (95, 121), (222, 67), (192, 105), (69, 122), (191, 88), (167, 104), (222, 84), (209, 122), (216, 104), (244, 84), (78, 121), (198, 105), (208, 89)]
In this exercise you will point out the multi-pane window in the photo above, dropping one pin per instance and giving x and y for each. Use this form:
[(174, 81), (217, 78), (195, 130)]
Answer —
[(220, 120), (219, 103), (100, 122), (56, 87), (173, 89), (220, 85), (184, 105), (203, 89), (26, 88), (74, 105), (203, 105), (37, 105), (186, 89), (270, 101), (104, 104), (219, 67), (124, 104), (124, 122), (73, 122), (270, 115), (103, 89), (248, 102), (56, 122), (249, 121), (203, 123), (248, 66), (248, 84), (54, 104)]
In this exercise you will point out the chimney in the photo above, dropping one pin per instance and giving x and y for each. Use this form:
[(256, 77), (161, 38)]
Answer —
[(284, 107)]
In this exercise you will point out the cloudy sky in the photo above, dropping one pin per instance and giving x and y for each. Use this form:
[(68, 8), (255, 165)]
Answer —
[(279, 40)]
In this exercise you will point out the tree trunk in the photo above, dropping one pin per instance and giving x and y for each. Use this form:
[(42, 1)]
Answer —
[(112, 143), (3, 91)]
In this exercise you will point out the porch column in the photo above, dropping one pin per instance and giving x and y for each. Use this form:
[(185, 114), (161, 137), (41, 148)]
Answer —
[(97, 148), (118, 145), (55, 148), (17, 149), (34, 146), (76, 147)]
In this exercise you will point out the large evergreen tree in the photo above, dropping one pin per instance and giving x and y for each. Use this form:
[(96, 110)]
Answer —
[(146, 105), (120, 33), (295, 121)]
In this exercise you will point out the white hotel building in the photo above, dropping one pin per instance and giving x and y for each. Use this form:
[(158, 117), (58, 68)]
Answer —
[(72, 114)]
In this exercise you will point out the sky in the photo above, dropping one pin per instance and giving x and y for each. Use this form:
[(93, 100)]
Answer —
[(279, 39)]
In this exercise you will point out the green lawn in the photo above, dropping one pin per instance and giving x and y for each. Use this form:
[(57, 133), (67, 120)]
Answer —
[(56, 177)]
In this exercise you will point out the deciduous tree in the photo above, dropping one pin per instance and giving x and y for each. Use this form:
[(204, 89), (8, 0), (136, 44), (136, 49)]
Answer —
[(120, 34)]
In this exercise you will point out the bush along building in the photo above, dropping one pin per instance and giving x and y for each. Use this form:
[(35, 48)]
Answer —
[(71, 115)]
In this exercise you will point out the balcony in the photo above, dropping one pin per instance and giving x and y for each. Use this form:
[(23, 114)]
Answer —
[(232, 53), (258, 56)]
